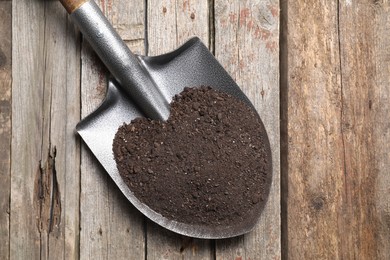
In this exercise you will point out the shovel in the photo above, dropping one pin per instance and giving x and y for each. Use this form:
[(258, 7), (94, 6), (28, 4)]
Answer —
[(144, 87)]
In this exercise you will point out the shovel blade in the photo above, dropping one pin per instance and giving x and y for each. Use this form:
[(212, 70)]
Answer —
[(191, 65)]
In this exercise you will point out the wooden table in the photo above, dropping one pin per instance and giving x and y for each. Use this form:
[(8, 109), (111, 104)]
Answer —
[(318, 72)]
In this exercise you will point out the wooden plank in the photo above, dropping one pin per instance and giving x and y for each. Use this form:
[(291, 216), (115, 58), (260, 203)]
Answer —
[(170, 24), (64, 79), (338, 137), (247, 45), (365, 78), (110, 226), (5, 125), (27, 90), (315, 154), (62, 88), (381, 130), (45, 158), (164, 244)]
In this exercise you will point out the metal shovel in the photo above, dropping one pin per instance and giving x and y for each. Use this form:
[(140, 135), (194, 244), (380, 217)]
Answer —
[(144, 87)]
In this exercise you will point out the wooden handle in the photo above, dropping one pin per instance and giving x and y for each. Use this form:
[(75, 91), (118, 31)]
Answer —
[(72, 5)]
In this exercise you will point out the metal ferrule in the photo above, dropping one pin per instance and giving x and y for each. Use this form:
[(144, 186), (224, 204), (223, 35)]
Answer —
[(121, 62)]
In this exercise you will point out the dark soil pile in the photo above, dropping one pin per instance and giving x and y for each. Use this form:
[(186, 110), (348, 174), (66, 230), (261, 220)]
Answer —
[(207, 164)]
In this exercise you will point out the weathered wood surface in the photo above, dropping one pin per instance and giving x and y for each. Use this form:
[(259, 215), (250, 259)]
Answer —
[(247, 45), (336, 78), (45, 156), (56, 202), (5, 125)]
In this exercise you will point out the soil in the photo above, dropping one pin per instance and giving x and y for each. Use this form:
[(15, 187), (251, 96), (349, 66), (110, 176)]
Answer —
[(208, 164)]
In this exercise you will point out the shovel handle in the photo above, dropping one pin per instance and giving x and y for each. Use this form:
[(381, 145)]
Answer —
[(120, 61), (72, 5)]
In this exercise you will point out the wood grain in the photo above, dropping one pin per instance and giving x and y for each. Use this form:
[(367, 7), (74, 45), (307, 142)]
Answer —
[(45, 154), (365, 78), (5, 125), (337, 132), (27, 114), (315, 153), (335, 114), (247, 45), (170, 24), (67, 143), (110, 227)]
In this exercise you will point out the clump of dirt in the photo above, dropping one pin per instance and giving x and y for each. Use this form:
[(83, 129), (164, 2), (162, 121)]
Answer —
[(207, 164)]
